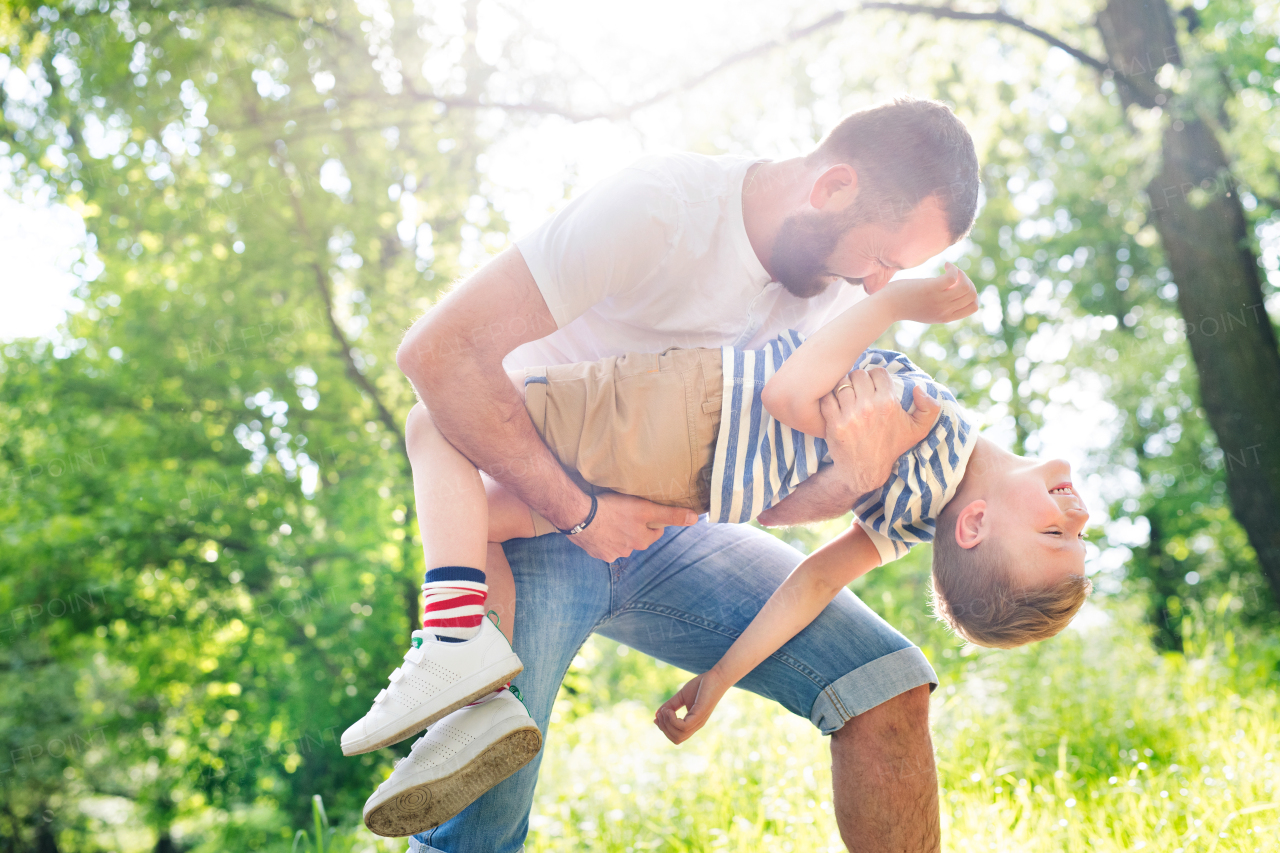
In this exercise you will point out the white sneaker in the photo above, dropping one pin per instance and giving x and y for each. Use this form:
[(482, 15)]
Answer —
[(457, 760), (437, 678)]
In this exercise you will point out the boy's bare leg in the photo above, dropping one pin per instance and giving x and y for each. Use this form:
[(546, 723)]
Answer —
[(460, 513), (509, 518), (453, 510), (502, 589)]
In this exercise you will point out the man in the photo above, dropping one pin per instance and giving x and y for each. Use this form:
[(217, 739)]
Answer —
[(686, 250)]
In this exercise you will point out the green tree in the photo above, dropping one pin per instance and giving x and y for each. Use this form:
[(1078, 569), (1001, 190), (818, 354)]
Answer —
[(208, 553)]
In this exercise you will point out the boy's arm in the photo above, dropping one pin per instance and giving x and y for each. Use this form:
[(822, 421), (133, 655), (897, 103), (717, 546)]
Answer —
[(792, 394), (795, 604)]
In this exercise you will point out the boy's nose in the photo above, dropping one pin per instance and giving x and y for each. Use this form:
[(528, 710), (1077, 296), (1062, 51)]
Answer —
[(1079, 518)]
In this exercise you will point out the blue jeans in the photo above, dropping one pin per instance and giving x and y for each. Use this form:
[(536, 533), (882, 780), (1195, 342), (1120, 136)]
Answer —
[(684, 600)]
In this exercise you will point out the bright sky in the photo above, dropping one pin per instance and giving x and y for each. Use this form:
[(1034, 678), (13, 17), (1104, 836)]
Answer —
[(38, 243)]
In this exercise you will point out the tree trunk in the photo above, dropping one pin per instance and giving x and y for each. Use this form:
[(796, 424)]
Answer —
[(1163, 577), (1197, 213), (45, 841)]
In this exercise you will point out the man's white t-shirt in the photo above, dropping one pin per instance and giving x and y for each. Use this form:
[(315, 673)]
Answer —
[(657, 256)]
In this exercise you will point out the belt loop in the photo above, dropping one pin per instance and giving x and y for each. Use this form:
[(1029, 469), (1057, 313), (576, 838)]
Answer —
[(535, 396)]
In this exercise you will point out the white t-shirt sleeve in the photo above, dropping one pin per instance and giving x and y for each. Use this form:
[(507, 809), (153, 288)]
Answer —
[(604, 243)]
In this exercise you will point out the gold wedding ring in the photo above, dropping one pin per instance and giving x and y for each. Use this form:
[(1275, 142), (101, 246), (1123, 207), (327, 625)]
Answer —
[(838, 387)]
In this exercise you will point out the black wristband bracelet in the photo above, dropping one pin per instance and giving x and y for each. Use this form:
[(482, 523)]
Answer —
[(578, 528)]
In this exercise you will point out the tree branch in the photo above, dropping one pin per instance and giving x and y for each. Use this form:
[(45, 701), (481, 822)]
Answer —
[(834, 18), (764, 47), (271, 11), (998, 18), (324, 288), (624, 111)]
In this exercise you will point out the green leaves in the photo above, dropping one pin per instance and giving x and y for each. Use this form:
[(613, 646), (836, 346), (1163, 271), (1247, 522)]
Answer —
[(207, 553)]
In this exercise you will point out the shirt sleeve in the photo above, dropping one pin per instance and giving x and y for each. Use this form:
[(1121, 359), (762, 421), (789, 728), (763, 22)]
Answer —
[(604, 243), (888, 549), (901, 512)]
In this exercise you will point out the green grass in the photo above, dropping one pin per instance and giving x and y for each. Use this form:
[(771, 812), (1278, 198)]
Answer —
[(1090, 742)]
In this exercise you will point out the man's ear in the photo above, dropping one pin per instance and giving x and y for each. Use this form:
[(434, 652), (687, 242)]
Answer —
[(972, 524), (834, 188)]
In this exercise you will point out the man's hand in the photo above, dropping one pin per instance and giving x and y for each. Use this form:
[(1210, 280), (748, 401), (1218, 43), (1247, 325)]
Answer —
[(942, 299), (699, 695), (867, 430), (624, 524)]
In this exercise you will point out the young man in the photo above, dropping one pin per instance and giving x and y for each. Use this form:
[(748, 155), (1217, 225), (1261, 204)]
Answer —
[(695, 251)]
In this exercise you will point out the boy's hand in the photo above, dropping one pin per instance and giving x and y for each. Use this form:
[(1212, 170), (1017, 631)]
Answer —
[(699, 695), (948, 297)]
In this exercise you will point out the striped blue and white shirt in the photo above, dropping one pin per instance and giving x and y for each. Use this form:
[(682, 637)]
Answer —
[(759, 461)]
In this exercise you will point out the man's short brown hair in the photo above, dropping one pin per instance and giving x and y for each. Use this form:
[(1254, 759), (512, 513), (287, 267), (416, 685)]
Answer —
[(905, 152), (975, 594)]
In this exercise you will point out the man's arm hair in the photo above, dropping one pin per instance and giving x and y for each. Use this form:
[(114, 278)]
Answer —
[(819, 498), (453, 356)]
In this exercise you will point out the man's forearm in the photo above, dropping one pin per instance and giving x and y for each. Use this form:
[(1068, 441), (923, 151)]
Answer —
[(453, 356), (477, 410), (819, 498)]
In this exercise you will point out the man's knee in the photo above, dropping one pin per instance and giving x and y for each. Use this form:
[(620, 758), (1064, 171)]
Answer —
[(905, 717), (889, 743)]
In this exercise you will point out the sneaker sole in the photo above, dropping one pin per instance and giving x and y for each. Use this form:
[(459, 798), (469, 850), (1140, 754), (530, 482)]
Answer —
[(430, 804), (425, 722)]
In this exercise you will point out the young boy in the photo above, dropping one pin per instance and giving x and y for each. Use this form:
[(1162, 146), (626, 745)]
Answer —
[(731, 433)]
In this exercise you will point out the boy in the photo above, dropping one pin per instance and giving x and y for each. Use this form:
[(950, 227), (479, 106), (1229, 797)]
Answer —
[(728, 432)]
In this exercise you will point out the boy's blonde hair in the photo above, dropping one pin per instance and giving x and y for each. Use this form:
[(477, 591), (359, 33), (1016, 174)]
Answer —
[(974, 593)]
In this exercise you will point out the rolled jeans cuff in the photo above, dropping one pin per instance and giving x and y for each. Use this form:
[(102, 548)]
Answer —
[(870, 685)]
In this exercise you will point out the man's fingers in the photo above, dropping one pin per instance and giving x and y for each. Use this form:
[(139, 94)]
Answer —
[(861, 382), (880, 379), (652, 534), (671, 516), (829, 406), (926, 411)]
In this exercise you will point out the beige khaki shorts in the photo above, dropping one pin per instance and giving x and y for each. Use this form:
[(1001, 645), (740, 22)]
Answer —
[(640, 424)]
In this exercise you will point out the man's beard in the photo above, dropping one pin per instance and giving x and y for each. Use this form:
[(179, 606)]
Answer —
[(804, 245)]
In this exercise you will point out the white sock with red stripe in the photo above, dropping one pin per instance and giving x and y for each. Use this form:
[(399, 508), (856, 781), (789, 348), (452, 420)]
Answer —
[(453, 605)]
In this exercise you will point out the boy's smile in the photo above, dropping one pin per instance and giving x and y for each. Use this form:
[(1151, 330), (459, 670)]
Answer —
[(1038, 513), (1031, 508)]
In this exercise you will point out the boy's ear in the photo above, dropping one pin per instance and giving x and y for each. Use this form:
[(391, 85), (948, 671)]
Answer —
[(834, 188), (972, 524)]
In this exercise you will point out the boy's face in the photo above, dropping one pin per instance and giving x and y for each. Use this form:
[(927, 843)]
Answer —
[(1039, 519)]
